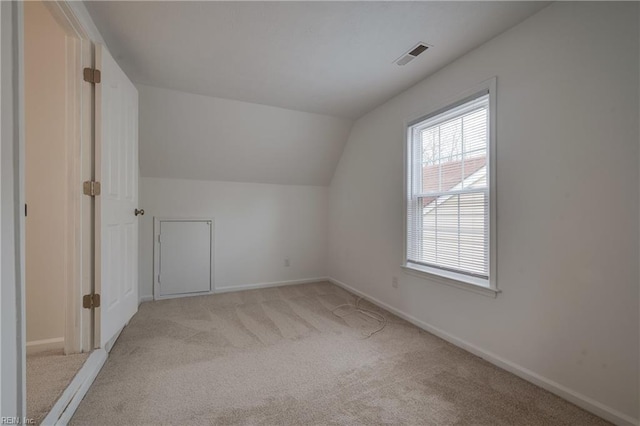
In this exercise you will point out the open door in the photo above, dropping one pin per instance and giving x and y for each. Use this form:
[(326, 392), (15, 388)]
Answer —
[(116, 215)]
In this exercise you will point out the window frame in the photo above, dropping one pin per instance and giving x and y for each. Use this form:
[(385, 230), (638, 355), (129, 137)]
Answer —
[(488, 286)]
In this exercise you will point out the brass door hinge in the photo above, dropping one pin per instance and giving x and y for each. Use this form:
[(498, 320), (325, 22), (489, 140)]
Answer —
[(90, 301), (91, 75), (91, 188)]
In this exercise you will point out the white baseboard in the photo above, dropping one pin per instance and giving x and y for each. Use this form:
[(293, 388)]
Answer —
[(576, 398), (181, 295), (66, 405), (267, 285), (36, 346), (242, 287), (143, 299)]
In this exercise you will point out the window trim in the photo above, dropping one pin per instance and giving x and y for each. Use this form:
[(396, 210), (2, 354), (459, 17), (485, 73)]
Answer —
[(441, 276)]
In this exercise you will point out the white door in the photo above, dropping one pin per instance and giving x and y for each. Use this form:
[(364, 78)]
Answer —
[(185, 257), (117, 171)]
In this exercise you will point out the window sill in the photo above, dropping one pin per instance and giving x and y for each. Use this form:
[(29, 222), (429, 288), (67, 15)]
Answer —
[(451, 279)]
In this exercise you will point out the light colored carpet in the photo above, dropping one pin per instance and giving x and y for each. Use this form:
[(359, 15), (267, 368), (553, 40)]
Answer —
[(48, 375), (279, 356)]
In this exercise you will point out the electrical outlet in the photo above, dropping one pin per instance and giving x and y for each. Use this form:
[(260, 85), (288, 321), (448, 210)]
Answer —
[(394, 282), (287, 263)]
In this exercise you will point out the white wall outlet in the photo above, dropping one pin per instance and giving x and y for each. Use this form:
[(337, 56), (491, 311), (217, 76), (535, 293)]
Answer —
[(394, 282), (287, 263)]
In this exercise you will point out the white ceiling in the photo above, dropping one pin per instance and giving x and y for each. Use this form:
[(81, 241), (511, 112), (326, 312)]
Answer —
[(333, 58)]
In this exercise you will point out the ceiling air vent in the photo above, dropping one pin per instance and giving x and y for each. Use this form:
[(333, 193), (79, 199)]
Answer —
[(412, 54)]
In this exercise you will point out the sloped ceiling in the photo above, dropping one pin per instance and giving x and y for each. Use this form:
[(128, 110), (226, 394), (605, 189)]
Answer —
[(333, 58), (190, 136), (302, 71)]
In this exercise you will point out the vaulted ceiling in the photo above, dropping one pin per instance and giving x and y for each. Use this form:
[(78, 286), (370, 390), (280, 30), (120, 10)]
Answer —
[(313, 66), (190, 136), (333, 58)]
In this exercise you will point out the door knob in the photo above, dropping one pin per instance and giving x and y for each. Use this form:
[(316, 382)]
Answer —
[(139, 212)]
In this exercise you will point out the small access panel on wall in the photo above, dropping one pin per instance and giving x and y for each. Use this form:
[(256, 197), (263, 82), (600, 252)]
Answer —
[(183, 257)]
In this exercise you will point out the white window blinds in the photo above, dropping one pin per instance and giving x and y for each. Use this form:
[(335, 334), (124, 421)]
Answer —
[(448, 191)]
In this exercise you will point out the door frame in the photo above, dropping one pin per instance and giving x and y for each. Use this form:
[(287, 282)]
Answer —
[(82, 34), (80, 146), (156, 255)]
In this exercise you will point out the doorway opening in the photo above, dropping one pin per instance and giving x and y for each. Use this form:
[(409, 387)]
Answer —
[(58, 247), (77, 175)]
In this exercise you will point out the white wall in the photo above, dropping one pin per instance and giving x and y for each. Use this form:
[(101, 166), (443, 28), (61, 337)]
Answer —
[(567, 204), (1, 222), (188, 136), (11, 336), (45, 174), (257, 226), (195, 152)]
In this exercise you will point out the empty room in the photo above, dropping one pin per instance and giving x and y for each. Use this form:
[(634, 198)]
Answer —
[(320, 213)]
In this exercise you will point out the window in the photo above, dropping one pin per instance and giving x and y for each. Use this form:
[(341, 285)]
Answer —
[(449, 199)]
